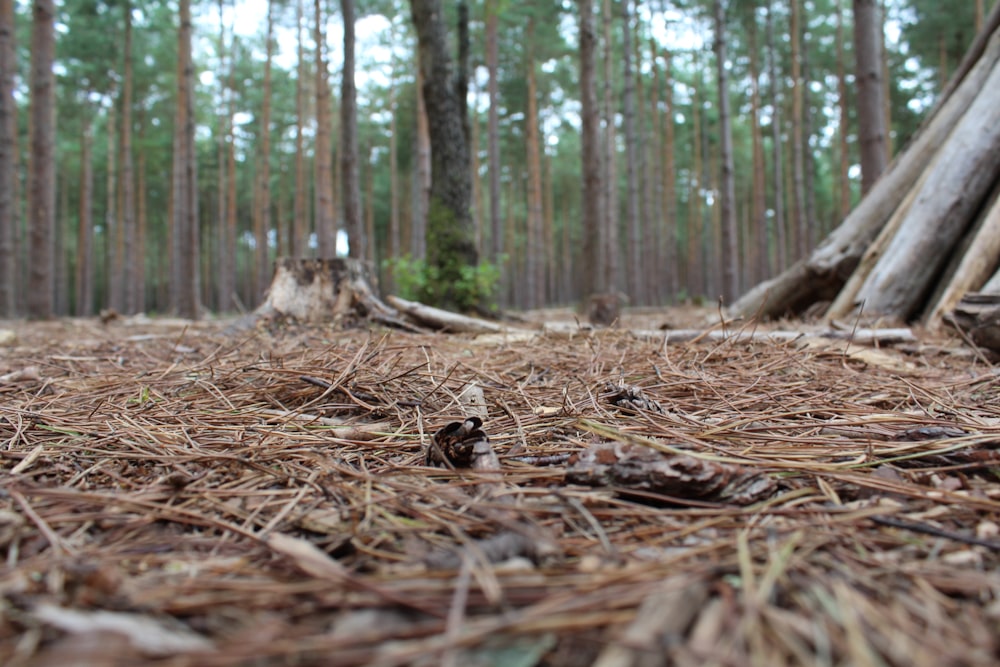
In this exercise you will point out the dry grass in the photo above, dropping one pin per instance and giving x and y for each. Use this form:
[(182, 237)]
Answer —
[(172, 496)]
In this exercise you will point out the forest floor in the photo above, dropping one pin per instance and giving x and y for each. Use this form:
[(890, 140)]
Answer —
[(175, 494)]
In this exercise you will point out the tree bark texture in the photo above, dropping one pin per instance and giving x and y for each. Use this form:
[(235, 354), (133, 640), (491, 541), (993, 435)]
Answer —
[(450, 233), (535, 250), (730, 251), (350, 183), (326, 223), (130, 256), (633, 225), (493, 129), (185, 284), (590, 153), (871, 119), (607, 237), (85, 225), (8, 162), (42, 175)]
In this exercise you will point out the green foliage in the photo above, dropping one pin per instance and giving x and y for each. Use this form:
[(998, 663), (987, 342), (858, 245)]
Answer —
[(474, 290)]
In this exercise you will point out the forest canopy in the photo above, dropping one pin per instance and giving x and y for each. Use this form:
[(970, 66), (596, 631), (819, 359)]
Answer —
[(262, 163)]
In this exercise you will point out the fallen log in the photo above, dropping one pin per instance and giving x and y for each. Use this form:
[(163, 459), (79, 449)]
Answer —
[(821, 275), (442, 320)]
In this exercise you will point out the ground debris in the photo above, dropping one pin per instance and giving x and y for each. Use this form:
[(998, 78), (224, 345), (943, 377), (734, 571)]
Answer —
[(299, 495)]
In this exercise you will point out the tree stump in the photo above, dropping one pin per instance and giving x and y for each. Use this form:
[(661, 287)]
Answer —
[(323, 290)]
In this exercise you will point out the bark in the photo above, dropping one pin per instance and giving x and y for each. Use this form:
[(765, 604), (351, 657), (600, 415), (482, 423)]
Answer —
[(871, 121), (140, 229), (85, 225), (222, 283), (262, 211), (695, 267), (633, 225), (761, 269), (822, 274), (778, 170), (185, 277), (130, 252), (493, 129), (41, 174), (801, 226), (421, 177), (112, 224), (670, 181), (326, 224), (350, 179), (534, 270), (593, 280), (395, 237), (730, 255), (963, 172), (450, 234), (299, 232), (607, 239), (9, 217), (844, 183)]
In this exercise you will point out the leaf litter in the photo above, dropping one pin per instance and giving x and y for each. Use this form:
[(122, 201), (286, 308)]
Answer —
[(307, 496)]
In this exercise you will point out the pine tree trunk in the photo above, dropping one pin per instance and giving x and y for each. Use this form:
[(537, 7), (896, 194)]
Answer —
[(130, 252), (798, 140), (326, 224), (85, 225), (535, 270), (112, 224), (778, 169), (843, 129), (758, 194), (730, 254), (9, 217), (41, 176), (592, 280), (493, 129), (421, 177), (300, 215), (262, 181), (670, 211), (633, 225), (185, 278), (871, 121), (350, 183), (608, 239)]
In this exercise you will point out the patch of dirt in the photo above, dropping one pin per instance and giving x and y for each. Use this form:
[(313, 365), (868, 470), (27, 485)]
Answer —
[(171, 495)]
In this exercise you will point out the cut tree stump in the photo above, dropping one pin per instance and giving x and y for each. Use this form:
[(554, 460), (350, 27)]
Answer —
[(323, 290)]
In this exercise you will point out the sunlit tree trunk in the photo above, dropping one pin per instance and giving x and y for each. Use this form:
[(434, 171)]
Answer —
[(326, 224), (593, 273), (349, 171), (871, 121), (40, 299), (727, 179)]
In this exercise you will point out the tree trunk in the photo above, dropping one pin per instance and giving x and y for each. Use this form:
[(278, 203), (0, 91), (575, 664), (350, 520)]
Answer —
[(112, 225), (85, 225), (607, 239), (300, 229), (778, 170), (843, 129), (535, 269), (421, 177), (758, 194), (262, 190), (730, 255), (824, 272), (958, 180), (350, 183), (801, 224), (670, 181), (42, 175), (451, 243), (395, 236), (493, 129), (593, 280), (8, 163), (326, 223), (633, 225), (131, 255), (871, 122), (185, 282)]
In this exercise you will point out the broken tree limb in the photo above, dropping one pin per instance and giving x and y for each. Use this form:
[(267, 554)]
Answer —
[(442, 320), (822, 274)]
